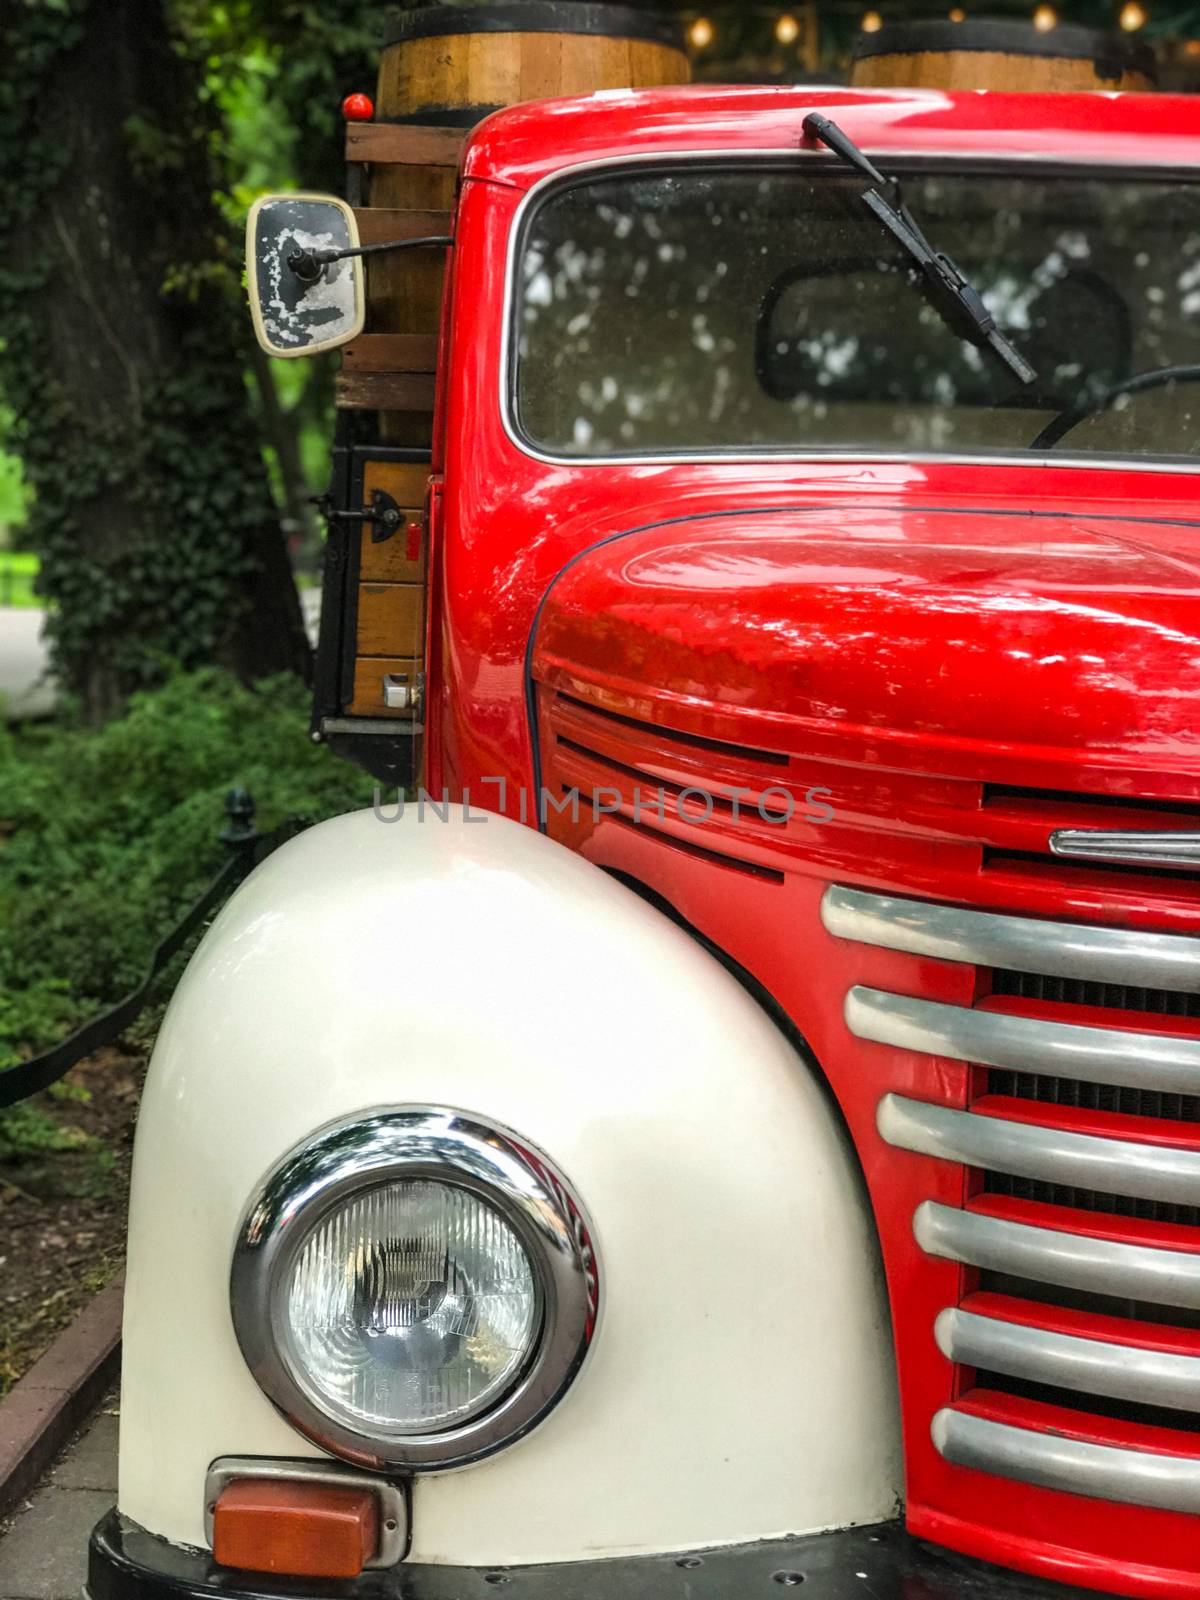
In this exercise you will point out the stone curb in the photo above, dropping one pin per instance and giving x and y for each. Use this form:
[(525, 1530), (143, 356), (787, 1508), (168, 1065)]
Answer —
[(41, 1412)]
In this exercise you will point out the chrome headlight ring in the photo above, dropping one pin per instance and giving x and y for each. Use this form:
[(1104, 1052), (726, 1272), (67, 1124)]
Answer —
[(349, 1158)]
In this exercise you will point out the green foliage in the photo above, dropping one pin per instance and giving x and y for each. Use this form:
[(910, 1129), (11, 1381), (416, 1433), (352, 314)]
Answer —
[(280, 69), (26, 1131), (14, 492), (18, 576), (109, 836)]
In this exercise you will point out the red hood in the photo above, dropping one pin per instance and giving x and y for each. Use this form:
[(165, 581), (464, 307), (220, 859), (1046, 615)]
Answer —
[(1044, 637)]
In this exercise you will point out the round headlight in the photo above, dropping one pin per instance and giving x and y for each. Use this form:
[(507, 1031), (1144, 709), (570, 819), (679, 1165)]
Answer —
[(410, 1308), (414, 1288)]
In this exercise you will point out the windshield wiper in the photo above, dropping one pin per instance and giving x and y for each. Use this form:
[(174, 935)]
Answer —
[(949, 291)]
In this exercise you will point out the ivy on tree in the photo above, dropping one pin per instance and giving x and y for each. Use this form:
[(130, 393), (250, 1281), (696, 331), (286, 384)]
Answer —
[(123, 353)]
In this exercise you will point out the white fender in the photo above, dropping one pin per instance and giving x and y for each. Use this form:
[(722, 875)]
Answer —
[(741, 1383)]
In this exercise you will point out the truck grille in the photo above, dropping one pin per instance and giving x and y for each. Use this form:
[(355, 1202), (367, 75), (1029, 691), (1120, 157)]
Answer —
[(1081, 1231)]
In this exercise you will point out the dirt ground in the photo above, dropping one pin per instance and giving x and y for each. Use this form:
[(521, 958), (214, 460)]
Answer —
[(62, 1214)]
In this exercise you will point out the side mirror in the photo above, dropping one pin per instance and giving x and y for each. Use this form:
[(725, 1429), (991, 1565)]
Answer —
[(301, 302)]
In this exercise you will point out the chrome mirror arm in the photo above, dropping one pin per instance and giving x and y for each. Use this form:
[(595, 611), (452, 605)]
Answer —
[(307, 265)]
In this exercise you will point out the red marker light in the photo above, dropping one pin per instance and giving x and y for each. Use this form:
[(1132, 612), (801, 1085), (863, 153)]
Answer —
[(358, 108)]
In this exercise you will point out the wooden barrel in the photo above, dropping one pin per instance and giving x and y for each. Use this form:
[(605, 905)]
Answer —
[(446, 66), (986, 53)]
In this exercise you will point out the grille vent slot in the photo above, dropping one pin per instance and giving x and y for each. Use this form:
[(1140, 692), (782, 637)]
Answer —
[(768, 815), (716, 858), (1102, 996), (1182, 811), (1099, 1305), (1093, 1096), (1067, 870), (692, 741), (650, 784), (1116, 1205), (1096, 1405)]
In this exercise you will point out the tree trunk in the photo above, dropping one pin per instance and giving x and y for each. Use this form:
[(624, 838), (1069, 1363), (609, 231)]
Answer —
[(125, 344)]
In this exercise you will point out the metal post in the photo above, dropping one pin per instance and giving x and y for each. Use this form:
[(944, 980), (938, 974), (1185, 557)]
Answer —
[(239, 833)]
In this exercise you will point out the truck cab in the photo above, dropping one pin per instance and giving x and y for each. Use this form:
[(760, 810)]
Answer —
[(739, 1118)]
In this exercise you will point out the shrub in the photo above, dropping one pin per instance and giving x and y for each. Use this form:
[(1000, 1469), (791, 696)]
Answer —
[(106, 837)]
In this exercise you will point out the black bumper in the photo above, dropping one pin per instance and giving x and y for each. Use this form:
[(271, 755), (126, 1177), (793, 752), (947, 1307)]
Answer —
[(879, 1563)]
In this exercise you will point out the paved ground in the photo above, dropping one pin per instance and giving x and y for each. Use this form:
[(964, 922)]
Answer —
[(43, 1549), (310, 605), (24, 686)]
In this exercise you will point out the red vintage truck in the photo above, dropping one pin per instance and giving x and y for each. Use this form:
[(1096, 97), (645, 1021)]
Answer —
[(753, 1093)]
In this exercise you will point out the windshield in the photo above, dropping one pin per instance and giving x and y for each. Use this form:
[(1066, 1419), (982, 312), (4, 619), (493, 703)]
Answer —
[(707, 310)]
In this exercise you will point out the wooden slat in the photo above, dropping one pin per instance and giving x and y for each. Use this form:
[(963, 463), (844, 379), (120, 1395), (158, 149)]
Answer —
[(404, 144), (391, 352), (383, 224), (369, 673), (406, 481), (384, 391), (391, 618), (388, 562)]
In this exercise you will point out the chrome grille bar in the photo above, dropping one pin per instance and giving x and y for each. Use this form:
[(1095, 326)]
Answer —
[(1021, 944), (1074, 1261), (1134, 1477), (1141, 848), (1091, 1366), (1030, 1150), (1026, 1044)]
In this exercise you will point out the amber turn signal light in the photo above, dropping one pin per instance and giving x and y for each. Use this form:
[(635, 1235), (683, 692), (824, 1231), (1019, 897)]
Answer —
[(302, 1530)]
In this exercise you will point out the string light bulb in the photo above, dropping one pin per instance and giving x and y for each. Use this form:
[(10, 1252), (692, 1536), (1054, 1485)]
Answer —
[(871, 22), (1192, 47), (958, 14), (1133, 16), (701, 33), (787, 29), (1045, 18)]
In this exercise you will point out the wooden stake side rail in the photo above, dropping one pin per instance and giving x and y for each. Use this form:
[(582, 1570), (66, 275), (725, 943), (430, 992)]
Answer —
[(391, 352), (394, 371), (404, 144), (383, 224), (384, 391)]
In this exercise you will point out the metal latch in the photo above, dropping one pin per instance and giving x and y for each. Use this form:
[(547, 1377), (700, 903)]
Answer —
[(384, 517), (402, 693)]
